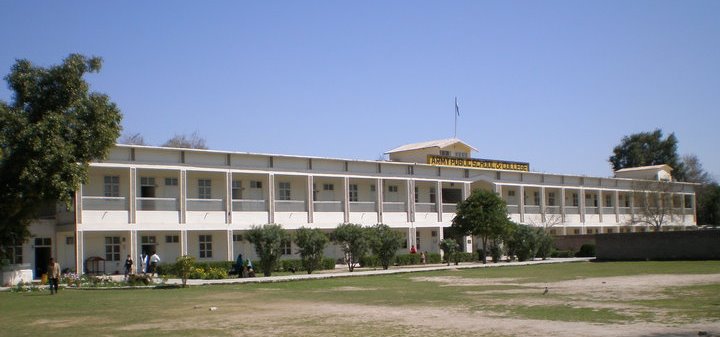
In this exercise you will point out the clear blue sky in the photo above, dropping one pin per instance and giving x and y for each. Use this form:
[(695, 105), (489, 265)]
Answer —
[(553, 83)]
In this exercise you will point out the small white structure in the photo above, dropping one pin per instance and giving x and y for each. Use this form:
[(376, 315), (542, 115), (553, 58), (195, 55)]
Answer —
[(654, 172)]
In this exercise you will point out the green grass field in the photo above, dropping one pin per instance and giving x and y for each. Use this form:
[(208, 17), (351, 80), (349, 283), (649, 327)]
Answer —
[(665, 295)]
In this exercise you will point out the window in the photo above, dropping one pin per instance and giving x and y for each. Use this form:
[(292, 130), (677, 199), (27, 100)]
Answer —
[(255, 184), (112, 248), (16, 254), (433, 196), (576, 231), (284, 191), (172, 238), (147, 181), (237, 237), (171, 181), (43, 242), (433, 234), (609, 230), (608, 200), (148, 240), (511, 193), (353, 192), (204, 189), (372, 188), (287, 248), (112, 186), (575, 200), (237, 189), (328, 187), (461, 154), (205, 246), (551, 199), (69, 240), (536, 198), (688, 201), (445, 153), (417, 194), (392, 188)]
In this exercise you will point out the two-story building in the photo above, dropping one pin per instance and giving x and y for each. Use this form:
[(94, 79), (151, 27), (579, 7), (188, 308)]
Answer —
[(176, 202)]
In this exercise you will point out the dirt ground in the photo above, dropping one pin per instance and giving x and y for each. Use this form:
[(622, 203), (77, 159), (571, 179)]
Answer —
[(300, 318)]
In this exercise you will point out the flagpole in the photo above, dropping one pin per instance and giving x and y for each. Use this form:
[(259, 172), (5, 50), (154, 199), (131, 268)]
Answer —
[(456, 114)]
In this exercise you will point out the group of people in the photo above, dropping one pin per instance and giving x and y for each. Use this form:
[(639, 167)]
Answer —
[(244, 268), (148, 264), (423, 255)]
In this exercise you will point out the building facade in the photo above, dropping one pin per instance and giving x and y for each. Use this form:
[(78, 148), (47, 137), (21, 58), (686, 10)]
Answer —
[(178, 202)]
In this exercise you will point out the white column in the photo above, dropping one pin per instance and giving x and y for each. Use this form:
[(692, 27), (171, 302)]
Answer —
[(309, 198), (441, 236), (542, 204), (79, 251), (230, 247), (228, 197), (183, 243), (271, 198), (616, 204), (409, 238), (600, 205), (562, 208), (468, 243), (346, 199), (522, 203), (438, 200), (133, 249), (410, 200), (379, 190), (183, 195), (132, 196), (581, 201), (79, 205)]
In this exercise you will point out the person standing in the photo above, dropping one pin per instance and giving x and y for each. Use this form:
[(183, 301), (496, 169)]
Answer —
[(143, 263), (154, 260), (239, 266), (128, 265), (53, 275)]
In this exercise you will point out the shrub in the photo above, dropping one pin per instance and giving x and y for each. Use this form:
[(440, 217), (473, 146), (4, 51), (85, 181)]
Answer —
[(496, 251), (369, 261), (586, 250), (433, 258), (407, 259), (562, 253), (311, 243), (385, 242)]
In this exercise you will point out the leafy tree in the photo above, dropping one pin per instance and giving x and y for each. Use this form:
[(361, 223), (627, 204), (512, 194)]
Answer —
[(355, 242), (184, 266), (268, 240), (694, 171), (483, 214), (311, 243), (544, 243), (708, 205), (49, 132), (648, 148), (523, 242), (133, 139), (450, 247), (194, 141), (385, 242)]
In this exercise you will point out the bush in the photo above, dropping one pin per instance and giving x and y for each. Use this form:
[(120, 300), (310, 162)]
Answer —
[(586, 250), (465, 257), (562, 253), (433, 258), (369, 261), (407, 259), (496, 252)]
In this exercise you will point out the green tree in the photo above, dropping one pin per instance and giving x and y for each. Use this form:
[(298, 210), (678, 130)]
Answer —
[(544, 243), (385, 242), (523, 242), (49, 132), (184, 265), (708, 205), (483, 214), (354, 241), (268, 240), (311, 244), (648, 148), (450, 248)]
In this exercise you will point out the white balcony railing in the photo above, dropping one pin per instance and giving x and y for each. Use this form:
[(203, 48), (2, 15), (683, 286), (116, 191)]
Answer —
[(608, 210), (513, 209), (249, 205), (328, 206), (532, 209), (552, 209), (394, 206), (423, 207), (449, 208), (157, 204), (572, 210), (205, 205), (362, 206), (591, 210), (290, 206), (104, 204)]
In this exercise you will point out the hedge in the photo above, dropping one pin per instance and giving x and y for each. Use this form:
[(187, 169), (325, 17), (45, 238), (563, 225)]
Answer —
[(399, 260)]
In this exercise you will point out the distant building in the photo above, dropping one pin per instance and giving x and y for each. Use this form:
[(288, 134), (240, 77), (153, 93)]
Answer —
[(201, 202)]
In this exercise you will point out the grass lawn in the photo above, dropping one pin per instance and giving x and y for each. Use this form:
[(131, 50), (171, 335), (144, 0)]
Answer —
[(471, 302)]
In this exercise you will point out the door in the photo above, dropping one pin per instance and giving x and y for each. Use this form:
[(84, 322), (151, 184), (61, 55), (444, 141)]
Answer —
[(42, 259)]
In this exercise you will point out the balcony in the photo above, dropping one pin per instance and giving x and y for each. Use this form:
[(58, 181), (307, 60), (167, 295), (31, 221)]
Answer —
[(249, 205), (624, 210), (552, 209), (290, 206), (328, 206), (608, 210), (572, 210), (422, 207), (449, 207), (104, 204), (362, 206), (205, 205), (532, 209), (157, 204), (394, 206), (591, 210)]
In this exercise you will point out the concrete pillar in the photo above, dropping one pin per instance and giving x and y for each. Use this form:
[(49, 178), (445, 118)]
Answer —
[(183, 196), (562, 206), (183, 243), (132, 196), (230, 247), (79, 251), (438, 200), (542, 204), (521, 203), (379, 191), (601, 204), (581, 202), (228, 197), (616, 204), (346, 199), (271, 198), (310, 199), (410, 197)]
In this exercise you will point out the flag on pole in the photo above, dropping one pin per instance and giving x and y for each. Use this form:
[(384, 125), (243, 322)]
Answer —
[(457, 108)]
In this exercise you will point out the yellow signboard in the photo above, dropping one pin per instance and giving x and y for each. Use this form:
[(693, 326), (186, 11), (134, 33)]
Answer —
[(478, 163)]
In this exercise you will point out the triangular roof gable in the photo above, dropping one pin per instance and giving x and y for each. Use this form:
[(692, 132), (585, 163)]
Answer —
[(441, 143)]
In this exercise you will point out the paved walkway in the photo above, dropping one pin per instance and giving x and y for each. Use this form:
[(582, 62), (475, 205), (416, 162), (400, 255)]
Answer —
[(366, 272)]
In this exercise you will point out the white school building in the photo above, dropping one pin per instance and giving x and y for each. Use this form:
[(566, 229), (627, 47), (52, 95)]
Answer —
[(201, 202)]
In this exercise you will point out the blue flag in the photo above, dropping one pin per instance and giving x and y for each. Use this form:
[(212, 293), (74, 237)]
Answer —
[(457, 108)]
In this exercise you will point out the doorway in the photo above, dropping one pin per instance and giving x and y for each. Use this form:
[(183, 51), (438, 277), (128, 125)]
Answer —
[(42, 259)]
